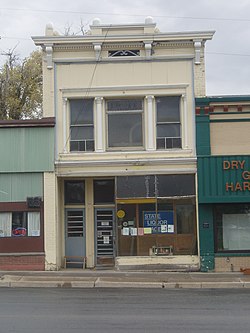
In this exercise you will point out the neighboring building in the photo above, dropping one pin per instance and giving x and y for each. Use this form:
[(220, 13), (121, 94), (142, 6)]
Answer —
[(124, 187), (27, 159), (223, 150)]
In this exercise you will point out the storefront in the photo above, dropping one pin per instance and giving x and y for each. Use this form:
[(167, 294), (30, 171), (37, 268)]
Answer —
[(223, 141), (224, 210), (26, 150), (133, 216)]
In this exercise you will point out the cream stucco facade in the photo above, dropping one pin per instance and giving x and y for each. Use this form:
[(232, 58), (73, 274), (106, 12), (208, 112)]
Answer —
[(116, 62)]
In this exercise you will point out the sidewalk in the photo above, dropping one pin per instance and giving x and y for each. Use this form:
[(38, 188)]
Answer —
[(77, 278)]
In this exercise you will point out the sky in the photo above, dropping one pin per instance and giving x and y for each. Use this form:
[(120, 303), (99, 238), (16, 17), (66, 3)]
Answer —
[(227, 55)]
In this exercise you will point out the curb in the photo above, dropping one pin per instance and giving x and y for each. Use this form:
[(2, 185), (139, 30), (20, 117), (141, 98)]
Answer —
[(127, 284)]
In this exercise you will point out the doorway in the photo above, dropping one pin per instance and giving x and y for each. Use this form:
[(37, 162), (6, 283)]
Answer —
[(105, 236), (75, 238)]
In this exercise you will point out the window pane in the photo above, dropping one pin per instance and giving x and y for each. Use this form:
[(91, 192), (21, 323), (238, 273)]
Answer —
[(82, 133), (124, 105), (160, 144), (136, 186), (74, 146), (5, 224), (19, 224), (236, 231), (81, 111), (176, 143), (168, 109), (90, 146), (168, 131), (185, 219), (104, 191), (34, 224), (74, 192), (125, 130), (232, 223)]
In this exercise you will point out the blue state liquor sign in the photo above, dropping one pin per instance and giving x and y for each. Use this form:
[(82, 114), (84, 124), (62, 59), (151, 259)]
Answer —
[(161, 222)]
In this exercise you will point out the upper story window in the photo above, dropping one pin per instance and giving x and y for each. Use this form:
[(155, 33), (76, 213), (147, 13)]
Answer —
[(81, 125), (168, 124), (124, 120)]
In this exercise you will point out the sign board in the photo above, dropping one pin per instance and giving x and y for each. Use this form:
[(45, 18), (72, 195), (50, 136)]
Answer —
[(161, 222)]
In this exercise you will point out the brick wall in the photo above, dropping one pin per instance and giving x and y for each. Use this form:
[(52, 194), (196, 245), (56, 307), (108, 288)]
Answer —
[(22, 262), (231, 264), (200, 79)]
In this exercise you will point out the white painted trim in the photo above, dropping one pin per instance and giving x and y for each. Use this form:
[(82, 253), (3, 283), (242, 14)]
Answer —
[(99, 125), (97, 49), (197, 47), (65, 100), (180, 86), (123, 60), (148, 49), (115, 172), (134, 162), (150, 123), (157, 37), (49, 55), (185, 121)]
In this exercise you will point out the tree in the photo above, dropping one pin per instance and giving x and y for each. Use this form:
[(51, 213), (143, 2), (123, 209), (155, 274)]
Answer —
[(21, 86)]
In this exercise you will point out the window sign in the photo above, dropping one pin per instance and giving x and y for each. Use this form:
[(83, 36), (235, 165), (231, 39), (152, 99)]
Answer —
[(160, 222)]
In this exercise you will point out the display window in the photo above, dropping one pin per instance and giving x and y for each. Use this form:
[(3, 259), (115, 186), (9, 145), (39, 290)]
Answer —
[(20, 224), (156, 227), (232, 227)]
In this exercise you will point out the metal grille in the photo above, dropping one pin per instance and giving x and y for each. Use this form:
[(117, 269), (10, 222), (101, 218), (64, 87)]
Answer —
[(124, 53), (104, 229), (75, 223)]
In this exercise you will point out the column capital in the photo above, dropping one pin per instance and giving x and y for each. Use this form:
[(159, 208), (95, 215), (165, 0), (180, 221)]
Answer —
[(98, 100), (150, 98)]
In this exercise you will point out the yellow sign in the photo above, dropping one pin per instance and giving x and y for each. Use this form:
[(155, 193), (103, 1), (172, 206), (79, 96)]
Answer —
[(120, 214)]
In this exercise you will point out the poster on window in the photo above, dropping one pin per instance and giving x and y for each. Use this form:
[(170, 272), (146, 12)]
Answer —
[(161, 222)]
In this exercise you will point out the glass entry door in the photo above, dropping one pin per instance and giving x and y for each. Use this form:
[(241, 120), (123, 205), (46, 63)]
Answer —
[(104, 231), (75, 239)]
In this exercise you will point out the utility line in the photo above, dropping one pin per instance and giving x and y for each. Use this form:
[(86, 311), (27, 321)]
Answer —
[(127, 14), (229, 54)]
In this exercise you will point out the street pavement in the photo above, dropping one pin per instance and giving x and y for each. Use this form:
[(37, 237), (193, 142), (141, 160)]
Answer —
[(86, 278)]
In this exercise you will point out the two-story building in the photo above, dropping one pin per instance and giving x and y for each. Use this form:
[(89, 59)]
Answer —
[(124, 188), (223, 141)]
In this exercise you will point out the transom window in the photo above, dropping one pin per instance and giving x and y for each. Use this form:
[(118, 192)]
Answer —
[(168, 125), (81, 125), (124, 118), (74, 192)]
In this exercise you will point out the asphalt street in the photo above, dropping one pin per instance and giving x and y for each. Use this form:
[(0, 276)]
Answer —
[(124, 310)]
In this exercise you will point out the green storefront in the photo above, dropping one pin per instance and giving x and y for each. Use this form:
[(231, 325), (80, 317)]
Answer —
[(27, 153), (223, 201)]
